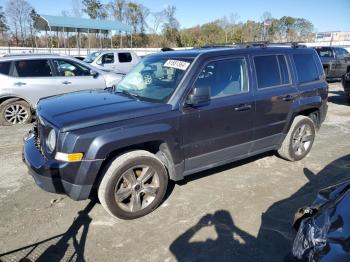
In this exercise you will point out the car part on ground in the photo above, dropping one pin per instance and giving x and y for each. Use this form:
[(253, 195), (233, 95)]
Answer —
[(203, 108), (324, 232)]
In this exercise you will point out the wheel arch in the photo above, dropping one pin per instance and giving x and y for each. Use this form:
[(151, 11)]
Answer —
[(159, 148)]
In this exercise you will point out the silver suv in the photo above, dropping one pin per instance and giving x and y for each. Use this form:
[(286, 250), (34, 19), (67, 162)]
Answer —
[(25, 79)]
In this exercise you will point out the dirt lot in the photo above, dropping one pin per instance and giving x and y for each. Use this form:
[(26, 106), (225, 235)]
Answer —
[(239, 212)]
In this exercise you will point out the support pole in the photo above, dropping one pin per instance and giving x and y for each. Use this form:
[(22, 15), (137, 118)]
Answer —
[(131, 39), (111, 40), (89, 41), (50, 40), (64, 41), (121, 39), (100, 40)]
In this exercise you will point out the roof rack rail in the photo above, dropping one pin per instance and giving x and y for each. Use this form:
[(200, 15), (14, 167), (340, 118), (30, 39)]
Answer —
[(264, 44), (218, 46)]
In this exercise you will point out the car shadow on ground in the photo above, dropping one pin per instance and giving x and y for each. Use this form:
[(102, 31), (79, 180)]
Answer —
[(69, 246), (338, 97), (275, 236)]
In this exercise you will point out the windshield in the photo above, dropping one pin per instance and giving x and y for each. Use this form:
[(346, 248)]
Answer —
[(154, 79), (91, 57)]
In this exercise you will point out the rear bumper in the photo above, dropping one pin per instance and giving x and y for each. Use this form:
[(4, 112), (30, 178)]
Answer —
[(56, 176)]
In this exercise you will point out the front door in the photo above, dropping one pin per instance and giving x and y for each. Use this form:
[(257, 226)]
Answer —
[(221, 130), (73, 76)]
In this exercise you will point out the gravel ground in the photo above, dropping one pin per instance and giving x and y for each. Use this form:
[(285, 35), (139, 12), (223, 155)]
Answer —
[(238, 212)]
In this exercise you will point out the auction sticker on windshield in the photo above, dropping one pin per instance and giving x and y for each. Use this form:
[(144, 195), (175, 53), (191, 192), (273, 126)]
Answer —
[(177, 64)]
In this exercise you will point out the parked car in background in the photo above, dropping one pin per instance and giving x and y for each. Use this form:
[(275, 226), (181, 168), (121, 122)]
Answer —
[(324, 227), (346, 85), (215, 106), (120, 61), (27, 78), (335, 61)]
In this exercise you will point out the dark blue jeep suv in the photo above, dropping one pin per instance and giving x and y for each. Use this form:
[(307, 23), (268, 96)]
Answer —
[(192, 111)]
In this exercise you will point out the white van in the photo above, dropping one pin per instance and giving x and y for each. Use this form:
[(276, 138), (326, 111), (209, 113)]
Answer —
[(120, 61)]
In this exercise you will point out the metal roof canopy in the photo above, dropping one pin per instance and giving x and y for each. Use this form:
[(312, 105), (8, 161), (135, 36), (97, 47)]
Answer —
[(73, 24)]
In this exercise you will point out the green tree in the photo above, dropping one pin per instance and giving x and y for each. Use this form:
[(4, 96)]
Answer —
[(133, 15), (92, 8), (3, 23)]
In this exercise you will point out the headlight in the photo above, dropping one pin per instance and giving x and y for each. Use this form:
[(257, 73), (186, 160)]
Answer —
[(312, 235), (51, 140)]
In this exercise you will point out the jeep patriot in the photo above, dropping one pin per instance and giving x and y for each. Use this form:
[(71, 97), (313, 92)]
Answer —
[(175, 114)]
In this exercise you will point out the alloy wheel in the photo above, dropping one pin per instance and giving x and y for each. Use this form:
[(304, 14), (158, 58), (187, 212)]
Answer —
[(137, 188), (16, 114), (302, 139)]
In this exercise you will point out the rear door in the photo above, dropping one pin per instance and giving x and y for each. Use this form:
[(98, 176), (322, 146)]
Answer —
[(124, 62), (341, 64), (33, 79), (221, 130), (274, 96), (73, 76)]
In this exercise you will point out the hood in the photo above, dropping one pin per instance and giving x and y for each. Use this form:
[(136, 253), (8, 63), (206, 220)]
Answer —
[(90, 108)]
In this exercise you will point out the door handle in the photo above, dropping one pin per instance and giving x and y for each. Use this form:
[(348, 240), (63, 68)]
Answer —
[(287, 98), (19, 84), (66, 82), (243, 107)]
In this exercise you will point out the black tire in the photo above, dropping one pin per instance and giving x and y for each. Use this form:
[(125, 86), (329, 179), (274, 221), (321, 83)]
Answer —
[(25, 114), (114, 176), (293, 148)]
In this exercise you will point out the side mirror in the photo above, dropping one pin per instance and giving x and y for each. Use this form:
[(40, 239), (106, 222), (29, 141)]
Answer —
[(93, 73), (199, 95)]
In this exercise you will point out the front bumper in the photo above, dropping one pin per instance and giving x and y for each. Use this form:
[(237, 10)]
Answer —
[(73, 179)]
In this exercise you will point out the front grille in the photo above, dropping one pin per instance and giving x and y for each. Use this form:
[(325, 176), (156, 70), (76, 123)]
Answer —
[(37, 136)]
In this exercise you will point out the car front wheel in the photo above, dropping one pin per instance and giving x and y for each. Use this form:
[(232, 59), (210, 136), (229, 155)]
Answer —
[(299, 140), (134, 185)]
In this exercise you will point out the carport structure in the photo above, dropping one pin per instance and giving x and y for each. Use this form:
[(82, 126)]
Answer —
[(66, 25)]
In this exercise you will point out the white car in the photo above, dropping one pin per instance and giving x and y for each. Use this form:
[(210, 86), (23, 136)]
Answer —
[(120, 61), (25, 79)]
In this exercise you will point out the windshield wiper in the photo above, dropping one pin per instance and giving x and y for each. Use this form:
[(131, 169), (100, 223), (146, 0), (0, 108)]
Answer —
[(128, 94)]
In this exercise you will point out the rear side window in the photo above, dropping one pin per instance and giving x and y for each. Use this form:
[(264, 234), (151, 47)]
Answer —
[(271, 70), (5, 68), (306, 68), (124, 57), (33, 68)]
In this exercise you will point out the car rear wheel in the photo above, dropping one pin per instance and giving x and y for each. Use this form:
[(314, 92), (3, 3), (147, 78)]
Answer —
[(299, 140), (134, 185), (15, 111)]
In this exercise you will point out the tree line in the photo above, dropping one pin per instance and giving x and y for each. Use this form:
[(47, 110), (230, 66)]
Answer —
[(149, 28)]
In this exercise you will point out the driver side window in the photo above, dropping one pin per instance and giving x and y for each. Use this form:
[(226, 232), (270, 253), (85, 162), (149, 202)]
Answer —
[(70, 68), (224, 77)]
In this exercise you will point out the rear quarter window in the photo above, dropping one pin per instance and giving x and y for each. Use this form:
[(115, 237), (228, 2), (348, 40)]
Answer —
[(124, 57), (5, 68), (306, 68)]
